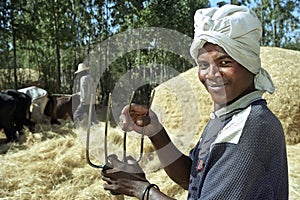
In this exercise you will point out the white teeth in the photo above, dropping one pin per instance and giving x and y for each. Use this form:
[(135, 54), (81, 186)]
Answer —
[(216, 85)]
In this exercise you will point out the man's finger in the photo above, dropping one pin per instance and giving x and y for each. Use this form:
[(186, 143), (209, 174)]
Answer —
[(114, 161)]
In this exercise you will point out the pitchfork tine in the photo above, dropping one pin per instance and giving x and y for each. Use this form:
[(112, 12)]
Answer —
[(88, 135), (143, 131), (125, 133), (109, 104)]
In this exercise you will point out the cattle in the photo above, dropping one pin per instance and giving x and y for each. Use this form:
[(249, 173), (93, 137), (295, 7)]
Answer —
[(8, 107), (51, 109), (22, 113), (43, 105), (66, 105)]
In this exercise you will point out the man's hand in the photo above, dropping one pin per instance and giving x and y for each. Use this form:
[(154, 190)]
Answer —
[(139, 118), (124, 178)]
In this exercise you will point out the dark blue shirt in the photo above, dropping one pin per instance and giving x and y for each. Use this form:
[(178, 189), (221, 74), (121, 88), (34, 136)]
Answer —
[(251, 163)]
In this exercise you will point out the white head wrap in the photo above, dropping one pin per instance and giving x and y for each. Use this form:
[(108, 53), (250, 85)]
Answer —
[(237, 30)]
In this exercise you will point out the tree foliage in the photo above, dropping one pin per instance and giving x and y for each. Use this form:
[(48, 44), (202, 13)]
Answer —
[(52, 37), (280, 21)]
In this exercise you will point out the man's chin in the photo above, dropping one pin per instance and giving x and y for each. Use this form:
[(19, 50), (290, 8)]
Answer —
[(219, 101)]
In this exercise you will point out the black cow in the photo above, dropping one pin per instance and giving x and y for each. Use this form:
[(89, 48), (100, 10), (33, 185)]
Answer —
[(8, 107), (22, 114), (51, 109)]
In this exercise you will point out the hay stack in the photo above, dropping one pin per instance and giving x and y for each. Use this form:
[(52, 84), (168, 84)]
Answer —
[(282, 64)]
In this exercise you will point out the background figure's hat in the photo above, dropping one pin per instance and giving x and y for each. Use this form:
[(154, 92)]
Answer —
[(81, 67)]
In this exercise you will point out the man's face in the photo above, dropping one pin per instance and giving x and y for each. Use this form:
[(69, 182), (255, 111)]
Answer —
[(223, 77)]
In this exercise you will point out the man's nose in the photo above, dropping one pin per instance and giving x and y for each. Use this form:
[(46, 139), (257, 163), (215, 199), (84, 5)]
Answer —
[(212, 71)]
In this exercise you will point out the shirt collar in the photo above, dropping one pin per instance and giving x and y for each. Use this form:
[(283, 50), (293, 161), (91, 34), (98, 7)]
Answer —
[(237, 106)]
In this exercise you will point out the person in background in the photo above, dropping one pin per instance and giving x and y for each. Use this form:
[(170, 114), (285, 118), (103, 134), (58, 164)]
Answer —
[(242, 152), (84, 86)]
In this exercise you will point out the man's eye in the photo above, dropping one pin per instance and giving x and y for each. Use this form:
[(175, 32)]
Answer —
[(203, 66), (224, 63)]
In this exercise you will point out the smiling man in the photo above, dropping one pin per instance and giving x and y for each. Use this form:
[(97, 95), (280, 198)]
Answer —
[(241, 153), (223, 77)]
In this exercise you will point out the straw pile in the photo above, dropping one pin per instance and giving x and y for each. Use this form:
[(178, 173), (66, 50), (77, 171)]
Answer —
[(283, 66), (51, 164)]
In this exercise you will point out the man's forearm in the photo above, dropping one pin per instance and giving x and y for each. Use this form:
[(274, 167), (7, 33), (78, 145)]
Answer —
[(176, 164)]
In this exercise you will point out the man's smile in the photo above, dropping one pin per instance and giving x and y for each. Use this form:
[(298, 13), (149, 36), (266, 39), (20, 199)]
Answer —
[(215, 85)]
